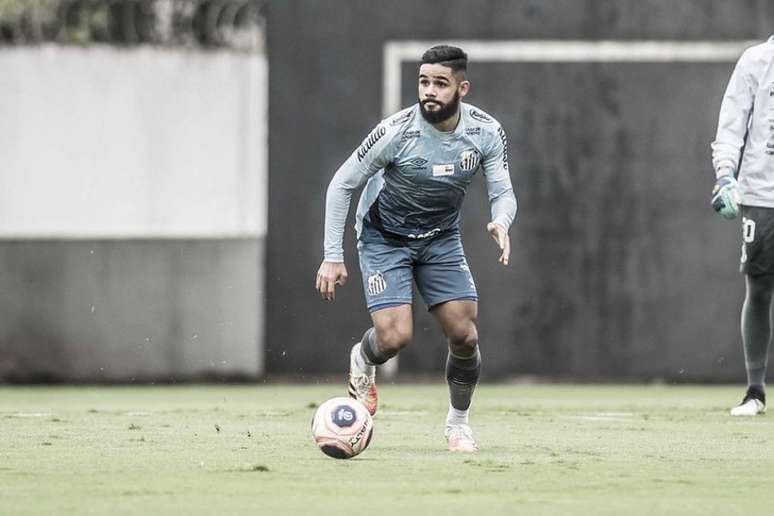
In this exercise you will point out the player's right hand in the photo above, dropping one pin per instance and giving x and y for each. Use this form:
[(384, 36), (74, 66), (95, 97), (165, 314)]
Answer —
[(726, 197), (329, 275)]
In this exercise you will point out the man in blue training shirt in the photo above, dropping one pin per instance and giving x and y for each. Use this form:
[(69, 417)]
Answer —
[(417, 166)]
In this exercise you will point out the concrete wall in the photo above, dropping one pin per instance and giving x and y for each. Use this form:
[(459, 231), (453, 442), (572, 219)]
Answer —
[(132, 213), (619, 268)]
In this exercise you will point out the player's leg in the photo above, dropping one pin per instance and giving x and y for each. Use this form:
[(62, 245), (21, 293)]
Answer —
[(758, 266), (463, 368), (756, 335), (391, 332), (444, 281), (386, 268)]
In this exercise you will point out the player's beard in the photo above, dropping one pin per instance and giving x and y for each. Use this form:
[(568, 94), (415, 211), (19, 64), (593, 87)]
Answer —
[(441, 115)]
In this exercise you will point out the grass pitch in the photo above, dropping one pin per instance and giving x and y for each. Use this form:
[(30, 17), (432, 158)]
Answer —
[(247, 450)]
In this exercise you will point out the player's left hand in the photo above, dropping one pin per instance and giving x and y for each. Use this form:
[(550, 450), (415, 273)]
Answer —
[(503, 240)]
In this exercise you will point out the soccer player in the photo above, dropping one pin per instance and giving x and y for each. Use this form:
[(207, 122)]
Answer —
[(743, 158), (417, 166)]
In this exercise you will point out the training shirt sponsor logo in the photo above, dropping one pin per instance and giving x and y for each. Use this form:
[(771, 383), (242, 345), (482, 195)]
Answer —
[(400, 118), (501, 132), (472, 131), (376, 284), (428, 234), (481, 117), (407, 135), (443, 170), (369, 142), (469, 160)]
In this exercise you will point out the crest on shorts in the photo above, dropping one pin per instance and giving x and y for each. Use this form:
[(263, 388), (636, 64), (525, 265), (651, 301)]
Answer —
[(376, 284), (469, 160)]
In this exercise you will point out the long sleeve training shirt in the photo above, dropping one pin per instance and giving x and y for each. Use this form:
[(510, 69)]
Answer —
[(744, 144), (416, 177)]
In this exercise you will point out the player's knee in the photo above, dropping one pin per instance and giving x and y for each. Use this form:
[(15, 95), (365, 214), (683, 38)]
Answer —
[(463, 339), (392, 339), (759, 290)]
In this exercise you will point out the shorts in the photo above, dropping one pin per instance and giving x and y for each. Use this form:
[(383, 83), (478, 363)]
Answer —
[(437, 265), (757, 241)]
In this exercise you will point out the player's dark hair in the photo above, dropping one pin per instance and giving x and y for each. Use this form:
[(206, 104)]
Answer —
[(446, 55)]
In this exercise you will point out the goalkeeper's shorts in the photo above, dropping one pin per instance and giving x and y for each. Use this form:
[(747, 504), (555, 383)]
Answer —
[(757, 241)]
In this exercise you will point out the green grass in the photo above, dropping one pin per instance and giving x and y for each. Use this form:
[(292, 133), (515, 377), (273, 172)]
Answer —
[(617, 450)]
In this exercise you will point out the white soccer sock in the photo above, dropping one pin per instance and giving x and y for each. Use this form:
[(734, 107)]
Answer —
[(363, 366), (457, 417)]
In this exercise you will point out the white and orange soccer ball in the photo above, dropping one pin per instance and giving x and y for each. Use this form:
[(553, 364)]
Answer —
[(342, 428)]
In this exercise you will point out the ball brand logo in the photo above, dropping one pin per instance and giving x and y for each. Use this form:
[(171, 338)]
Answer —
[(359, 435), (369, 142), (343, 416)]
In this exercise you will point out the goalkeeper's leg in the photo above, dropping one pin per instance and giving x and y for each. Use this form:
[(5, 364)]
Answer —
[(756, 334)]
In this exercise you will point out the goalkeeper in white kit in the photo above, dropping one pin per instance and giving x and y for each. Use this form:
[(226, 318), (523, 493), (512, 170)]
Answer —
[(743, 159)]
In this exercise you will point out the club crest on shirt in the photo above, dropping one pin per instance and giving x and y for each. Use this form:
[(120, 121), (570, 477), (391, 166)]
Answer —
[(469, 160), (376, 284)]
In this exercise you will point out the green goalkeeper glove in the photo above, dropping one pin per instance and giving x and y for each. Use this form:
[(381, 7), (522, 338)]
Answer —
[(726, 197)]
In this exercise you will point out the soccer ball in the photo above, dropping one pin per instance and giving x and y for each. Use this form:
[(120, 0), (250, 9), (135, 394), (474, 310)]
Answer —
[(342, 428)]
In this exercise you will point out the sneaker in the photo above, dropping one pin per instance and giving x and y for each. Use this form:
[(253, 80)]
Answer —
[(460, 438), (362, 385), (754, 403)]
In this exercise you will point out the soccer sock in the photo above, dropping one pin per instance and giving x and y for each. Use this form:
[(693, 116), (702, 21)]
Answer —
[(756, 328), (462, 375), (370, 353)]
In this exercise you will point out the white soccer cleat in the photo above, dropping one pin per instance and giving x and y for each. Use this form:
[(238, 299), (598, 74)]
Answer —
[(460, 438), (751, 407), (753, 403), (362, 385)]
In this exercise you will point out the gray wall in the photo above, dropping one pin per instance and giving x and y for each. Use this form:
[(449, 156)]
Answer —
[(132, 213), (130, 311), (619, 269)]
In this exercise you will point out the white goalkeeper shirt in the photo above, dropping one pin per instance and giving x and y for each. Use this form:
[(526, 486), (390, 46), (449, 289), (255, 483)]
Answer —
[(746, 126), (417, 177)]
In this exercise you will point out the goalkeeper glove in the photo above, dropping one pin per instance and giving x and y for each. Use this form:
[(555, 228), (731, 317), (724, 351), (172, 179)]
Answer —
[(726, 197)]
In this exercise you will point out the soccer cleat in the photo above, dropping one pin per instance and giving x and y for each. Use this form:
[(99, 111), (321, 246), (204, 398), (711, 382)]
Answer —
[(753, 403), (460, 438), (362, 385)]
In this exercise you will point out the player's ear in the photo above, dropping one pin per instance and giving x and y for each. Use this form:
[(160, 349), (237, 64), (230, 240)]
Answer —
[(463, 88)]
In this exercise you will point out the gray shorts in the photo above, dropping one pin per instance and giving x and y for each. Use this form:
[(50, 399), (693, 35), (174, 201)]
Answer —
[(757, 241), (436, 264)]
